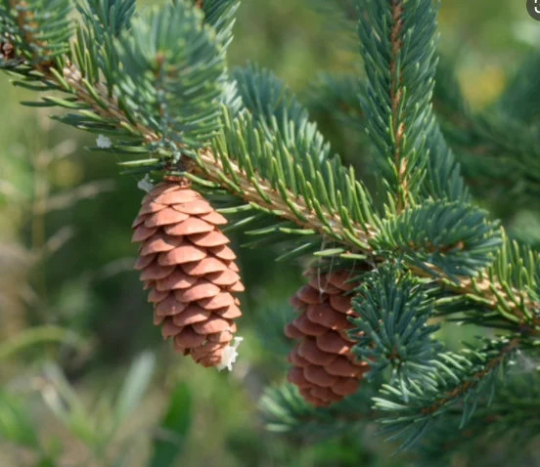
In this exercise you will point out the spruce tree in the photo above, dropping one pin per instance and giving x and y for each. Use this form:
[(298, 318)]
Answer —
[(385, 273)]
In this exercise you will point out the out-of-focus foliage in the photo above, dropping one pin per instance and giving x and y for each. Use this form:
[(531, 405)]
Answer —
[(85, 378)]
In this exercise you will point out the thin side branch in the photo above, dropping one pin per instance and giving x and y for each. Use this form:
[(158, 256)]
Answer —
[(475, 380), (211, 169)]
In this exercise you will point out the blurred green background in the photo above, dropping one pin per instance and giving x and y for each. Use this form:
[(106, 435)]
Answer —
[(85, 378)]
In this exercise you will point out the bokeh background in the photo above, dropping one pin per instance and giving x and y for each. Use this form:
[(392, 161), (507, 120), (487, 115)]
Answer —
[(85, 378)]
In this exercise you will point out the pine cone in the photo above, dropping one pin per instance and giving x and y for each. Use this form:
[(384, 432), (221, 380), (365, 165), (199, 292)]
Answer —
[(190, 271), (324, 368)]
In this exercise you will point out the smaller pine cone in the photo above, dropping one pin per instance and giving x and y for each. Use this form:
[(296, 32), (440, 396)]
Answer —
[(324, 368), (190, 271)]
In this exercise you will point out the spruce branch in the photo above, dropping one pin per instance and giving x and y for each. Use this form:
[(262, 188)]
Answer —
[(387, 105), (392, 330), (220, 14), (511, 418), (265, 166), (425, 382), (285, 411), (103, 23), (284, 204), (222, 170), (398, 43), (38, 30), (453, 238), (218, 168), (476, 378), (286, 149), (107, 18), (389, 88), (500, 296), (503, 133), (256, 161), (172, 78), (460, 378)]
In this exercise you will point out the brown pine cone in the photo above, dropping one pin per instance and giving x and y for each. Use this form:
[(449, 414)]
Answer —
[(324, 368), (190, 271)]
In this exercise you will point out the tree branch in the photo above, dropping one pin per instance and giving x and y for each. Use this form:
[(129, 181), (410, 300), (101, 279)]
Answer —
[(491, 291), (474, 380)]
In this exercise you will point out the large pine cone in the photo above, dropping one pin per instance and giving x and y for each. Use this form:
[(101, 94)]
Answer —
[(190, 271), (324, 368)]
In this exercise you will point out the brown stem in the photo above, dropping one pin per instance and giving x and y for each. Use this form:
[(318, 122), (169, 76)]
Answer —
[(396, 95), (212, 168), (476, 379)]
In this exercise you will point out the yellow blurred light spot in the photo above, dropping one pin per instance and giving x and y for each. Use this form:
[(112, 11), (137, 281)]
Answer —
[(482, 85), (66, 173)]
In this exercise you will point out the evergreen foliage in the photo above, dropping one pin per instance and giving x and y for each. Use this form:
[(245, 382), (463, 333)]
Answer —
[(453, 239), (393, 331), (157, 84), (39, 30), (165, 78)]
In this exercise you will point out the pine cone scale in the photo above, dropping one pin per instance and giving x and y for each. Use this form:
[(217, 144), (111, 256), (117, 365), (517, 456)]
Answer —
[(191, 208), (332, 342), (142, 233), (185, 253), (221, 300), (154, 271), (143, 261), (176, 280), (151, 208), (210, 239), (309, 350), (170, 306)]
